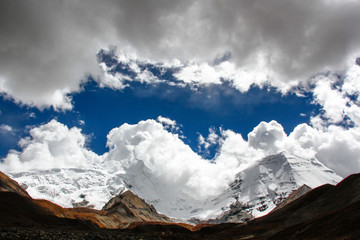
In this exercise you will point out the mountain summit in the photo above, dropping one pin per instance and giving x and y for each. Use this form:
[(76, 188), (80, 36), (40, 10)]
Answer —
[(270, 180)]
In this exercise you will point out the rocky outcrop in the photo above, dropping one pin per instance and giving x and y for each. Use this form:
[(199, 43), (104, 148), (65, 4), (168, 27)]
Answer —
[(293, 196), (130, 208)]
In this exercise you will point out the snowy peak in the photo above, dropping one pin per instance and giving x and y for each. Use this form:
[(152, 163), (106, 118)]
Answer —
[(310, 171), (268, 181)]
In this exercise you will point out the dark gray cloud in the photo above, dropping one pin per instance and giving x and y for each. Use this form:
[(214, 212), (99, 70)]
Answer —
[(48, 47)]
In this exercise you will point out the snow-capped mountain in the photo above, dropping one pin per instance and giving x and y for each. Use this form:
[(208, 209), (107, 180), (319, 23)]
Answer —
[(260, 187), (256, 190)]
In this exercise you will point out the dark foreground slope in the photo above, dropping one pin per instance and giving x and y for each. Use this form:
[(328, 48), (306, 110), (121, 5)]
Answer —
[(327, 212)]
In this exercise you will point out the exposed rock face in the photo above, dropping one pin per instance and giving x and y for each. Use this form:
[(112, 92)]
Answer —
[(236, 213), (131, 208), (294, 195)]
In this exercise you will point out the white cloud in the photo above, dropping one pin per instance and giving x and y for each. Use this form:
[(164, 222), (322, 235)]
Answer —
[(340, 150), (168, 123), (47, 49), (169, 160), (212, 139), (147, 148), (6, 128), (335, 146), (235, 153), (199, 74), (332, 101), (114, 81), (339, 99), (351, 83), (268, 137), (52, 145)]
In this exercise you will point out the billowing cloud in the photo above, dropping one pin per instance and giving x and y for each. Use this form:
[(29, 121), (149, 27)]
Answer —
[(148, 148), (52, 145), (336, 147), (49, 48), (168, 159), (267, 136)]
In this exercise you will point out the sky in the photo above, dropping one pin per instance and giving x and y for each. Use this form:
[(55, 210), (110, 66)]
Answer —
[(197, 89)]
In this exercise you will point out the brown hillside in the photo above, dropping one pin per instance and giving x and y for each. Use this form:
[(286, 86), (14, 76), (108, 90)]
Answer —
[(9, 185)]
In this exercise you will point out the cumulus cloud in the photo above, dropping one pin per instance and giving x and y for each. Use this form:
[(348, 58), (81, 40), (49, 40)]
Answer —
[(267, 136), (235, 153), (52, 145), (49, 48), (147, 150), (335, 146)]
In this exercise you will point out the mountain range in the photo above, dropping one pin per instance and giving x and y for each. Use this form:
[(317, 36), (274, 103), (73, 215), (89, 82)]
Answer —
[(254, 192), (326, 212)]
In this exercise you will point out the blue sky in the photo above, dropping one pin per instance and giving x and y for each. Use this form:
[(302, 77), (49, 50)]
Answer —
[(284, 72), (103, 109)]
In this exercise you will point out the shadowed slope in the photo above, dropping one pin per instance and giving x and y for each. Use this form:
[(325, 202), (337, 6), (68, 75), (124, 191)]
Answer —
[(17, 210)]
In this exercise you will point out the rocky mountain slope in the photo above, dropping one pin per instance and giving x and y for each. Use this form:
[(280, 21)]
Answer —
[(255, 191), (9, 185)]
